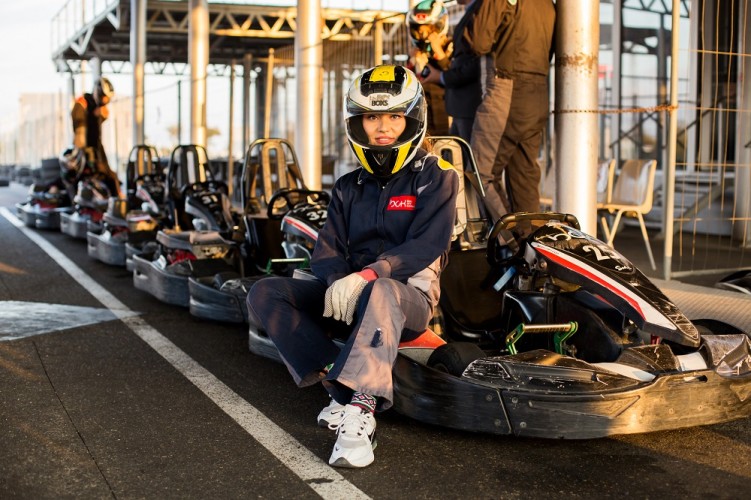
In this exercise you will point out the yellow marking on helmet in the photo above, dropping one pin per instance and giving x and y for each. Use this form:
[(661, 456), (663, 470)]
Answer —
[(444, 165), (361, 157), (400, 157), (383, 74)]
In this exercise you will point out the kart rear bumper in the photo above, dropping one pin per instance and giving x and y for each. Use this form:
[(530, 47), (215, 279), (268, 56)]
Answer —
[(76, 225), (33, 216), (103, 247), (208, 302), (167, 287)]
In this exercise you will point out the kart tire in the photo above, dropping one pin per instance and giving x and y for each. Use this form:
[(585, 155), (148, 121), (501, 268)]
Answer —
[(453, 358)]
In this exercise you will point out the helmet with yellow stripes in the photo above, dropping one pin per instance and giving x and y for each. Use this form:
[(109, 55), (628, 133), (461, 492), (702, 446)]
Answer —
[(385, 90)]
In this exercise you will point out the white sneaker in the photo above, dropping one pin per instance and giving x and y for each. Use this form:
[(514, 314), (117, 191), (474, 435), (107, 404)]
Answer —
[(331, 415), (355, 440)]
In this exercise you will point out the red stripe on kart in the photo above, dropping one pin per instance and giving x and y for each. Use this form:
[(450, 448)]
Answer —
[(302, 227), (589, 273)]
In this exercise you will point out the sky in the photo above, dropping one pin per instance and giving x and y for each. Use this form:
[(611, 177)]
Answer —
[(25, 54), (26, 47)]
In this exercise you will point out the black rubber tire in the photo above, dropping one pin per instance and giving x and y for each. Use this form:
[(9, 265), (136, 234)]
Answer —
[(453, 358)]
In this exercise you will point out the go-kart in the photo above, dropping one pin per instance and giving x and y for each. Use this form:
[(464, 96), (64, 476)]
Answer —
[(134, 219), (201, 236), (281, 218), (581, 345), (549, 332), (89, 204), (44, 205), (49, 200)]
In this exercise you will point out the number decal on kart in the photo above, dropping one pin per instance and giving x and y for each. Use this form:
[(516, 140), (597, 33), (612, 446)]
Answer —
[(600, 253)]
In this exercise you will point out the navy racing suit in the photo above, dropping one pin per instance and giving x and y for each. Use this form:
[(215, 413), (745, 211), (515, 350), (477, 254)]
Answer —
[(400, 229)]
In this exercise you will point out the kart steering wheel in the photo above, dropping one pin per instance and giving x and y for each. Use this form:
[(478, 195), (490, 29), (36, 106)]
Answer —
[(515, 228), (286, 199), (196, 187)]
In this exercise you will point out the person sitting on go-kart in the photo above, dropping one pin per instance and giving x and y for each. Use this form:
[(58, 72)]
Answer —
[(376, 262)]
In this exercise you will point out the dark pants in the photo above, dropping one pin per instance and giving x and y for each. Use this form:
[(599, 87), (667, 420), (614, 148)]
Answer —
[(462, 127), (291, 312), (506, 140)]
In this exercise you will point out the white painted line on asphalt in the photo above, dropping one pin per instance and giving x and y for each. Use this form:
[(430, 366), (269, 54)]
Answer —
[(307, 466)]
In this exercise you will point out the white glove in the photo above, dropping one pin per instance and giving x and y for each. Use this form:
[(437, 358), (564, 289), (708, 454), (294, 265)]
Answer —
[(341, 297)]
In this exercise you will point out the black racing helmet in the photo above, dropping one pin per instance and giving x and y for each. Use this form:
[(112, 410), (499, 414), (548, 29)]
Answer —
[(428, 16), (386, 89)]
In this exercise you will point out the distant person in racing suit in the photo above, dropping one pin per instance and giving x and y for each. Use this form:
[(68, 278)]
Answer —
[(428, 23), (376, 262), (89, 111)]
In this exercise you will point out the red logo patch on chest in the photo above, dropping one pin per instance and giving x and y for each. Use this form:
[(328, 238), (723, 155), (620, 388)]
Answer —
[(406, 202)]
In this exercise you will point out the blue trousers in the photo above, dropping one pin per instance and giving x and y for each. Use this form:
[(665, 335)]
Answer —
[(291, 312)]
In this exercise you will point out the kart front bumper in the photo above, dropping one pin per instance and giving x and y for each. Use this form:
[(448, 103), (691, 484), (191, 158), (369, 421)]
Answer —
[(670, 401)]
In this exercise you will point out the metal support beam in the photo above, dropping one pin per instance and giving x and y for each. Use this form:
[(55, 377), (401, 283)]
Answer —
[(378, 42), (669, 203), (198, 58), (617, 33), (268, 95), (309, 71), (138, 59), (576, 133), (742, 228), (247, 61), (231, 132)]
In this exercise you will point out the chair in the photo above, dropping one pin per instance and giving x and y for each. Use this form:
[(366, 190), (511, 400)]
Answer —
[(632, 197), (605, 179)]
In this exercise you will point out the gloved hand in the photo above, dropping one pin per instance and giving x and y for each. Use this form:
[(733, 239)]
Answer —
[(341, 297)]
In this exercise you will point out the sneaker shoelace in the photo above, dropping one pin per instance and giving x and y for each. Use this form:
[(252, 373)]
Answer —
[(351, 422)]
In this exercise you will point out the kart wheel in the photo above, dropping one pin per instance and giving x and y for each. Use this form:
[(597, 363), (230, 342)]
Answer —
[(453, 358)]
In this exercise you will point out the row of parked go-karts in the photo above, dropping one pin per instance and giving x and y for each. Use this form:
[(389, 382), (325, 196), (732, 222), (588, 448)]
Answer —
[(542, 330)]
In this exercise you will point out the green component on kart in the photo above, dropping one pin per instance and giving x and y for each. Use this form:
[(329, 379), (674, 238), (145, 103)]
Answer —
[(301, 261), (561, 332)]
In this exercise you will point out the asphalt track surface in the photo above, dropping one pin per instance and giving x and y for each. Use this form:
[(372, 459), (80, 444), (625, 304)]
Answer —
[(147, 401)]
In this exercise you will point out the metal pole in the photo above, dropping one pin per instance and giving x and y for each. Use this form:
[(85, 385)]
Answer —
[(617, 32), (198, 58), (742, 228), (179, 112), (672, 143), (576, 65), (231, 118), (268, 95), (247, 60), (137, 59), (309, 71), (377, 42)]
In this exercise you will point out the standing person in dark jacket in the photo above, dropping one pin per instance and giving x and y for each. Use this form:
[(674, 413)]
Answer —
[(510, 121), (88, 113), (459, 74), (376, 262)]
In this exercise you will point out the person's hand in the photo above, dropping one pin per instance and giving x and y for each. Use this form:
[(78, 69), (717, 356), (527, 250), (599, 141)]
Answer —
[(432, 76), (341, 297), (436, 43)]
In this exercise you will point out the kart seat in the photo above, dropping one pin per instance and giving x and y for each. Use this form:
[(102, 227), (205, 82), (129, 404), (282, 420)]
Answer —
[(270, 166)]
